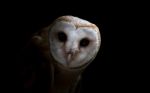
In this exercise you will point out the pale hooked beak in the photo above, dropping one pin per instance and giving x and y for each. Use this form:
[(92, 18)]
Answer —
[(71, 54)]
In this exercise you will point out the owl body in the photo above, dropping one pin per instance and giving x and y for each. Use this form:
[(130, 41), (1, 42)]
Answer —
[(69, 45)]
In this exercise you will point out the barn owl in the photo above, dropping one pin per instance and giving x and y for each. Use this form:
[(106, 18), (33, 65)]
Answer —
[(69, 44)]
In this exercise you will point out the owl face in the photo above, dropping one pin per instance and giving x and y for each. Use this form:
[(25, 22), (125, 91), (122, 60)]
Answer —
[(73, 45)]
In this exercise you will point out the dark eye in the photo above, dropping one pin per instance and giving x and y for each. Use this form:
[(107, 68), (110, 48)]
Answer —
[(84, 42), (62, 37)]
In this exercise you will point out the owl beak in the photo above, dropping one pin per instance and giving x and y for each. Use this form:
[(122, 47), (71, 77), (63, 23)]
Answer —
[(71, 54)]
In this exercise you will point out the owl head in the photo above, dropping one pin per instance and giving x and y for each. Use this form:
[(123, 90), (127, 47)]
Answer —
[(73, 42)]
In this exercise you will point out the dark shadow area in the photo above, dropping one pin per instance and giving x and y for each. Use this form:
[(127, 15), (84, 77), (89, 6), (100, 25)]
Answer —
[(110, 71)]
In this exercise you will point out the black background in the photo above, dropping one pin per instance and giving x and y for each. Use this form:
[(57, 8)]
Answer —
[(115, 68)]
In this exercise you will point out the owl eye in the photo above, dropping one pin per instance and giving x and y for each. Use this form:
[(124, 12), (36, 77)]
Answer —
[(62, 37), (84, 42)]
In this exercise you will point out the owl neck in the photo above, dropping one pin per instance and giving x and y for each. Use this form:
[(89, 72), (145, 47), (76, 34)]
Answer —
[(65, 80)]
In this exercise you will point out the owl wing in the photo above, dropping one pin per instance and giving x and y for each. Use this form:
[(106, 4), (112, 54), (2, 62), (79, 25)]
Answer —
[(35, 65)]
